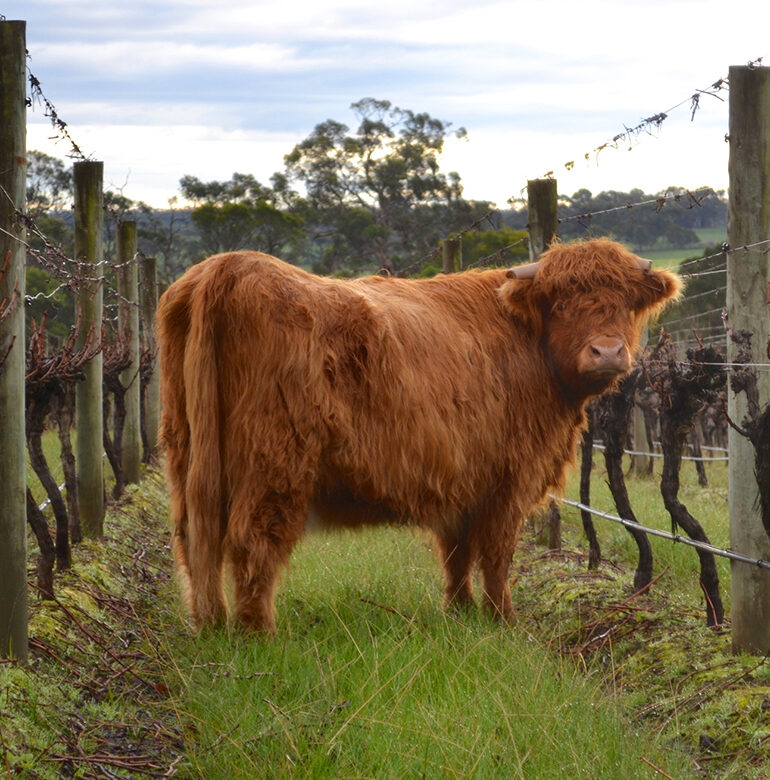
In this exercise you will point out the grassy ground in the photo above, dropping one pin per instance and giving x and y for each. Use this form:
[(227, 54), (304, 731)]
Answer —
[(671, 258), (369, 677)]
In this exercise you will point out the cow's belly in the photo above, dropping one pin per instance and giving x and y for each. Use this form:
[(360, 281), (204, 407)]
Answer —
[(339, 508)]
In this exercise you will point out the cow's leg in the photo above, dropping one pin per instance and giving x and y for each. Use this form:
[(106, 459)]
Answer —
[(497, 591), (257, 553), (496, 552), (457, 558)]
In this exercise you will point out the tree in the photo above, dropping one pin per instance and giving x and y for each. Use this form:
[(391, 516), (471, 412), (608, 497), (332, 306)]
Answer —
[(667, 219), (49, 183), (168, 236), (387, 169), (504, 246), (242, 213), (49, 194)]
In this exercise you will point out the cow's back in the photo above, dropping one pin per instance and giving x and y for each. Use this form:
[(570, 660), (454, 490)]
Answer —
[(395, 398)]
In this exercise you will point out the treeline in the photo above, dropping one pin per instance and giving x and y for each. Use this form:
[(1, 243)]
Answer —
[(665, 220), (347, 202)]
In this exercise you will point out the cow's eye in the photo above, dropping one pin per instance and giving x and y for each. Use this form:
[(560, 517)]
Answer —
[(558, 307)]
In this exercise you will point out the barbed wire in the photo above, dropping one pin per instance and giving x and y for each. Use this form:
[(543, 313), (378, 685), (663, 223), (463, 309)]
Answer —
[(725, 250), (703, 273), (433, 254), (653, 122), (483, 262), (721, 253), (693, 198), (727, 365), (704, 330), (59, 125), (695, 316), (73, 274), (748, 247), (713, 290)]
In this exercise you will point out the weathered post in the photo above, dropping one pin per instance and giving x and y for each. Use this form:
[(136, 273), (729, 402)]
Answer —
[(13, 509), (128, 326), (149, 303), (542, 215), (452, 255), (747, 302), (89, 228), (641, 465), (543, 221)]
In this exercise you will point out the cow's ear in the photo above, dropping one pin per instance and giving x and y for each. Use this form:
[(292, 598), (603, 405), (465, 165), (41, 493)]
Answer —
[(521, 300), (654, 292)]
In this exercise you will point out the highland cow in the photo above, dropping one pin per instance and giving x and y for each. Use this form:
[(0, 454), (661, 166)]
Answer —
[(453, 403)]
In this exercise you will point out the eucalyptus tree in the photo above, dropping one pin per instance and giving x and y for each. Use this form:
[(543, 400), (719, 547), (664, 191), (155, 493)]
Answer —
[(241, 214), (377, 194)]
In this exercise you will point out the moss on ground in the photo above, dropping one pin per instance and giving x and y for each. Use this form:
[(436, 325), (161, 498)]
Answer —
[(92, 702), (656, 652)]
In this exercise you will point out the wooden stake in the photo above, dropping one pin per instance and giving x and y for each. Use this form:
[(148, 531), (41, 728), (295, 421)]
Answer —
[(149, 303), (89, 229), (13, 510), (128, 324), (748, 222), (452, 255), (542, 215)]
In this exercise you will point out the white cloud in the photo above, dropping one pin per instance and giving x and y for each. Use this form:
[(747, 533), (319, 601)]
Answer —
[(146, 162), (190, 86), (149, 58)]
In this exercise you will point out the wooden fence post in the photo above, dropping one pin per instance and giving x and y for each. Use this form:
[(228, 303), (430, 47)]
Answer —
[(543, 220), (542, 215), (452, 255), (641, 465), (89, 230), (13, 476), (747, 302), (128, 326), (149, 303)]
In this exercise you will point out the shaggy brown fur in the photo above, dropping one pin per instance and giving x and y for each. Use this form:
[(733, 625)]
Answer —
[(453, 403)]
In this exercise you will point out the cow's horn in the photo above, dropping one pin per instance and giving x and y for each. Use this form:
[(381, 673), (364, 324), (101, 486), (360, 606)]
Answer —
[(644, 263), (526, 271)]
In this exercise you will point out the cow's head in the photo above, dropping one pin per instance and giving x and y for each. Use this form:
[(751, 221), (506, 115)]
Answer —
[(587, 303)]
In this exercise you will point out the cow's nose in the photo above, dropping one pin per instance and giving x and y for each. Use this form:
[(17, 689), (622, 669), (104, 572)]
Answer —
[(608, 355)]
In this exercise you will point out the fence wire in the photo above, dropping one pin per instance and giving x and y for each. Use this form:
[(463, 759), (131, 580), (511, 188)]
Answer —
[(716, 458), (731, 554)]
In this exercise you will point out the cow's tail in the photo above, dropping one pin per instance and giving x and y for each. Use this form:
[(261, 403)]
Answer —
[(191, 433)]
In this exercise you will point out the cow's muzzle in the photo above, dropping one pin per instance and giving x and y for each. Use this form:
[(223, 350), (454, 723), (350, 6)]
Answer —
[(605, 356)]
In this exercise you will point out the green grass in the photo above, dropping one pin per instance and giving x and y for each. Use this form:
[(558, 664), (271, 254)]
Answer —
[(52, 451), (710, 236), (369, 677), (671, 258)]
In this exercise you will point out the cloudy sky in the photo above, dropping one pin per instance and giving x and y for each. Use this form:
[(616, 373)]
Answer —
[(158, 90)]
